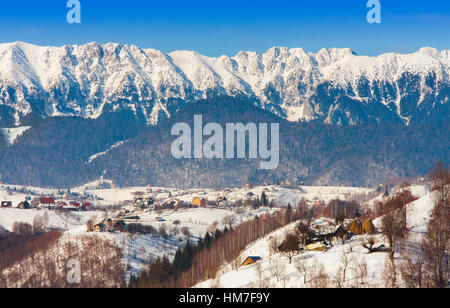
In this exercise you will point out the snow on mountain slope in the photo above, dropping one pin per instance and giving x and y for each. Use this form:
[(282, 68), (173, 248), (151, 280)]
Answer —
[(11, 134), (88, 80), (97, 155)]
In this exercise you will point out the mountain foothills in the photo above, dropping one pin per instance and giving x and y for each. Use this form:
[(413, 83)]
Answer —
[(74, 114), (67, 151)]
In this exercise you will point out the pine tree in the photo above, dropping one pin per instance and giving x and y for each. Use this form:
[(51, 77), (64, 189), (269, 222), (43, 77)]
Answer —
[(264, 200), (207, 240)]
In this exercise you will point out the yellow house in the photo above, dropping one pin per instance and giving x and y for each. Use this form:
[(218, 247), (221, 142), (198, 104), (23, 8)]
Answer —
[(199, 202), (250, 260), (316, 247)]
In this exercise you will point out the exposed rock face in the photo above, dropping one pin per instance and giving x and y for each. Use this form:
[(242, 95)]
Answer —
[(332, 86)]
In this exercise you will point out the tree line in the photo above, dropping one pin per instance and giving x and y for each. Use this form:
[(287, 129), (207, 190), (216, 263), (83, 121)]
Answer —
[(201, 261)]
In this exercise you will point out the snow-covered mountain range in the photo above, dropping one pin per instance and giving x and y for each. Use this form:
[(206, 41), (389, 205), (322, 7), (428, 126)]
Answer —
[(332, 86)]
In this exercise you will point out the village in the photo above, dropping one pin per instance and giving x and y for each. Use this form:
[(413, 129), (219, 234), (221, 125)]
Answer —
[(155, 222), (63, 202), (156, 205), (152, 204)]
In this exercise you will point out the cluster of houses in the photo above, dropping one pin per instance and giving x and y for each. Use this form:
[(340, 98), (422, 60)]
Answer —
[(149, 203), (110, 225), (201, 202), (142, 203), (50, 203), (319, 243)]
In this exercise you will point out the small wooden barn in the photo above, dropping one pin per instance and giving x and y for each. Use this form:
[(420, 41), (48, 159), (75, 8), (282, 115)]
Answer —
[(340, 233), (6, 204), (24, 205), (120, 226), (250, 260), (222, 202), (99, 228)]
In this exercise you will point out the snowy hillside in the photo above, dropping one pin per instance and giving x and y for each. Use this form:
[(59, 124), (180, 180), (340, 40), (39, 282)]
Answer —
[(89, 80), (139, 249), (247, 276), (105, 197), (11, 134), (97, 155), (364, 270)]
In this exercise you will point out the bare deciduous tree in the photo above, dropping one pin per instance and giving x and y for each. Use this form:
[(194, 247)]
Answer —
[(436, 243), (346, 262), (277, 268), (162, 231), (321, 279), (263, 281), (185, 231), (213, 227), (228, 222), (89, 224), (274, 243), (394, 226), (290, 246), (338, 278), (411, 271), (360, 269), (390, 273), (368, 243), (302, 269), (235, 264)]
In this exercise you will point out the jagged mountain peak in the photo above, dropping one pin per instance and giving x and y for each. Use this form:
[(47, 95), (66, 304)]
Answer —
[(333, 85)]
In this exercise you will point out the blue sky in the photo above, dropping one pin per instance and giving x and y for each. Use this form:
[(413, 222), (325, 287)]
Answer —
[(215, 28)]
